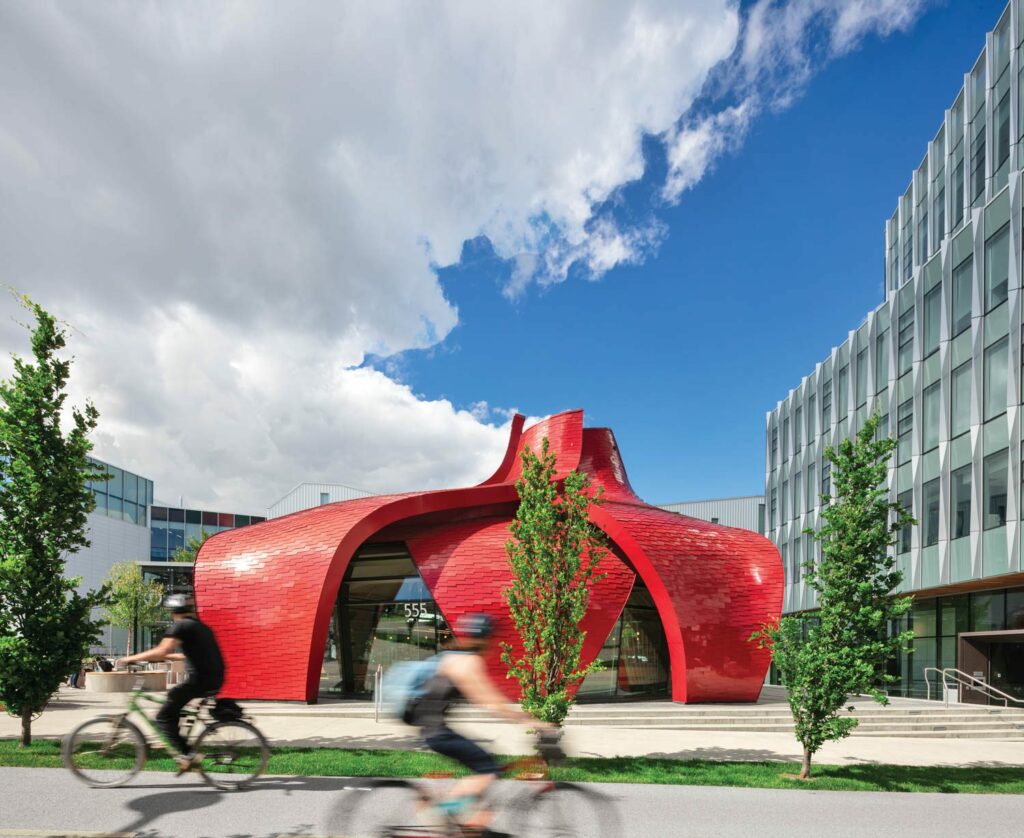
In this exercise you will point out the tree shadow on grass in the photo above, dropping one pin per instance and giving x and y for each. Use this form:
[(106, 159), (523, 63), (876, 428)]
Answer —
[(727, 755), (931, 778)]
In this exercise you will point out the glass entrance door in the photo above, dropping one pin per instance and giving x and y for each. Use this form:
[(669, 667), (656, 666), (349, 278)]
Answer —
[(634, 658), (384, 614)]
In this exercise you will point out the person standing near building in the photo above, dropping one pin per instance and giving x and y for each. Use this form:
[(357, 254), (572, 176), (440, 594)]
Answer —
[(204, 667)]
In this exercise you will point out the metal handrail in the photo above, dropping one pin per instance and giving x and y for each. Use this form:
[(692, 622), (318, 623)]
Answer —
[(963, 679), (378, 699)]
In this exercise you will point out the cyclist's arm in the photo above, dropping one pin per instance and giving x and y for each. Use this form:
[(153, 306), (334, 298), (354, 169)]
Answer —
[(467, 672), (160, 652)]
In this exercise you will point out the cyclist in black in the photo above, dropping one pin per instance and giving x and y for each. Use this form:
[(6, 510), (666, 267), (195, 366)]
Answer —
[(204, 666), (461, 675)]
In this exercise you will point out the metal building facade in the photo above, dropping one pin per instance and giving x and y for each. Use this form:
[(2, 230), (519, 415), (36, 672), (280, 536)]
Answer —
[(308, 495), (746, 512)]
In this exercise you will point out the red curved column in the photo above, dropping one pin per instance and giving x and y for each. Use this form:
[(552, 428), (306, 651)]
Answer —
[(466, 569), (716, 584)]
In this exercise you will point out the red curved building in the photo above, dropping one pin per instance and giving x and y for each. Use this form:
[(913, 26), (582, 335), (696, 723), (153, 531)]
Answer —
[(313, 603)]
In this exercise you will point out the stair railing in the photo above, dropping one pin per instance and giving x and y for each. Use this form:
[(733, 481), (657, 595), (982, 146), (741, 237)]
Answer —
[(964, 680)]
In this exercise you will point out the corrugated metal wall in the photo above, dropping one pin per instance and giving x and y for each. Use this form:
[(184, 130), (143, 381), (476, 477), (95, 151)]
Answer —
[(746, 513), (308, 495)]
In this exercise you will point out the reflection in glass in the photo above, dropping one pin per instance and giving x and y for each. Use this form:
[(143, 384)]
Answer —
[(960, 502), (995, 489)]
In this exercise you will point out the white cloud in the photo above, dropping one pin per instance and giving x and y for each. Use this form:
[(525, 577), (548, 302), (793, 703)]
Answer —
[(693, 147), (781, 46), (237, 202)]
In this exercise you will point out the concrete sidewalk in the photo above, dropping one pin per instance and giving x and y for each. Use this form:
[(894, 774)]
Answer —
[(338, 725)]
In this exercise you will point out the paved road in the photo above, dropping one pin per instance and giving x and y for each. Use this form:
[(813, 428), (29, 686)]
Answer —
[(49, 802)]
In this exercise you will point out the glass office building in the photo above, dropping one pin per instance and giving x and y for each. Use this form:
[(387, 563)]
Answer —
[(940, 361), (172, 527), (124, 496)]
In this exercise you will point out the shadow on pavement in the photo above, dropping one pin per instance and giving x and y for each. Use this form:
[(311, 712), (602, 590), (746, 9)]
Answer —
[(151, 807)]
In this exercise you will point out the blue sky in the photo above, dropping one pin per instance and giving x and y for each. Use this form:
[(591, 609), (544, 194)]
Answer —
[(769, 261), (284, 235)]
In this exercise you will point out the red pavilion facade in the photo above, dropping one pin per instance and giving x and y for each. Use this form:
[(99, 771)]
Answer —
[(280, 593)]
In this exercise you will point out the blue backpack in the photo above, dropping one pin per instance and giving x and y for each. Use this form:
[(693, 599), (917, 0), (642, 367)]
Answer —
[(404, 685)]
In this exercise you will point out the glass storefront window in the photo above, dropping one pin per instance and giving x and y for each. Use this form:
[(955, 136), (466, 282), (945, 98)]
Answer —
[(1015, 608), (924, 619), (954, 615), (988, 611)]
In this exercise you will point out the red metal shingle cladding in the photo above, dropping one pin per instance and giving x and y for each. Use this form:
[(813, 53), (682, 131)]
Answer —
[(466, 569), (268, 590)]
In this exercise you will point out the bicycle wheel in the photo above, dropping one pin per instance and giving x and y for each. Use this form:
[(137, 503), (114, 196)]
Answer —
[(565, 810), (105, 752), (234, 754), (386, 809)]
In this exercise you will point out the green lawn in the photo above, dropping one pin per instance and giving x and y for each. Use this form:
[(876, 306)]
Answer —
[(338, 762)]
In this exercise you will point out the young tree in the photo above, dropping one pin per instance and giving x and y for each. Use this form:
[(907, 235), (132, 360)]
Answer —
[(134, 602), (45, 624), (188, 553), (555, 553), (844, 647)]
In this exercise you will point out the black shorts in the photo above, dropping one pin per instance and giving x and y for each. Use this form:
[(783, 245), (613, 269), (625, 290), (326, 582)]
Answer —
[(448, 743)]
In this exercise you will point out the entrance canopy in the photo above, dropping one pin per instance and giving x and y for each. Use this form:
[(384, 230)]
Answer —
[(271, 590)]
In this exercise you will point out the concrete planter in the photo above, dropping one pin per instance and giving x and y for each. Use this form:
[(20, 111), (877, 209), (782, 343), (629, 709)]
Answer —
[(123, 682)]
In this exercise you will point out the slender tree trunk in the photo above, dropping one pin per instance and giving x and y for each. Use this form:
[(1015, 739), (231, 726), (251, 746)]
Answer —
[(805, 768), (26, 728)]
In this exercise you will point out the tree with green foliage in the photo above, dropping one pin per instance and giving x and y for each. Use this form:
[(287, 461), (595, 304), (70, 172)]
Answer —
[(188, 553), (844, 648), (135, 602), (45, 623), (555, 555)]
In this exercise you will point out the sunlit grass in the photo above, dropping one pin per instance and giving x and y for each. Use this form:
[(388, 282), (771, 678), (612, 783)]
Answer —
[(340, 762)]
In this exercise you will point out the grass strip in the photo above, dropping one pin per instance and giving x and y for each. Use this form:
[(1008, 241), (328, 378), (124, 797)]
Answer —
[(342, 762)]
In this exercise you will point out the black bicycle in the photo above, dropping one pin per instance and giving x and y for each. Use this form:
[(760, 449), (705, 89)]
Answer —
[(108, 751), (539, 807)]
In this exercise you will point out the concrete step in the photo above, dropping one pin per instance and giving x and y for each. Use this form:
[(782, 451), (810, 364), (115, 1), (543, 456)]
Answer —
[(875, 722)]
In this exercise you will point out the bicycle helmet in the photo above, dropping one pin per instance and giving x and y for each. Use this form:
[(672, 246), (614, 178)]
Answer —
[(474, 626), (179, 604)]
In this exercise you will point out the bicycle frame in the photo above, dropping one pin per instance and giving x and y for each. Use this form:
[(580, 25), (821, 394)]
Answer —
[(138, 696)]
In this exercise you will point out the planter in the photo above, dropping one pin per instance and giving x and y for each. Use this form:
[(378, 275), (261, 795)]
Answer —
[(124, 682)]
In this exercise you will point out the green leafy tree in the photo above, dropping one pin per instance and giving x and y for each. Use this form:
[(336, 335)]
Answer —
[(845, 647), (555, 553), (188, 553), (135, 602), (45, 623)]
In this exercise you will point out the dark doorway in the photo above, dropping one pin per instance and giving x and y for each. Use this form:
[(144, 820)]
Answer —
[(996, 658)]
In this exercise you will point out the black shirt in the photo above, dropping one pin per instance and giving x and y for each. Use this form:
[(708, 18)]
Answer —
[(203, 660)]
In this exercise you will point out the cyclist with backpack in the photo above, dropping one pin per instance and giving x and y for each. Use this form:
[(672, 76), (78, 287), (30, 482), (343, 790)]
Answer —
[(460, 674), (204, 666)]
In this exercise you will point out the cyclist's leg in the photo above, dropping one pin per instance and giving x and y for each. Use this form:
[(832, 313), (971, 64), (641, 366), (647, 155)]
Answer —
[(168, 720), (468, 790)]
